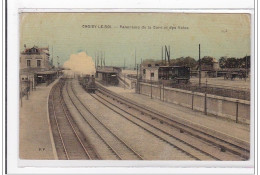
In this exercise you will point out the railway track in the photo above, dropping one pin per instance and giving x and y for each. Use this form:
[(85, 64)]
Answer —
[(175, 143), (115, 144), (69, 142), (216, 148)]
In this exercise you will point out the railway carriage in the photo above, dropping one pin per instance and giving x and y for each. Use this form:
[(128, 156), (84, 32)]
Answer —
[(176, 74)]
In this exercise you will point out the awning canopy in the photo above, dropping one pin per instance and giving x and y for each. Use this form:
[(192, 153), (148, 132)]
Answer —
[(107, 71), (46, 72)]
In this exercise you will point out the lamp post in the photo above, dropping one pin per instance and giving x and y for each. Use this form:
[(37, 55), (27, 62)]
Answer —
[(151, 83), (27, 87), (205, 101), (137, 78)]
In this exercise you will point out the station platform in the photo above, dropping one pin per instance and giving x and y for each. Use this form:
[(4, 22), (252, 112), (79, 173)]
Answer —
[(236, 84), (224, 126), (36, 141)]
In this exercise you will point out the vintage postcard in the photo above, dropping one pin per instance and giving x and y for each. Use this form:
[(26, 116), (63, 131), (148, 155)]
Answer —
[(135, 86)]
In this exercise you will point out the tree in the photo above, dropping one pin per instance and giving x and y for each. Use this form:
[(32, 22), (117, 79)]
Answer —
[(208, 60), (222, 62), (231, 63), (179, 62), (187, 61), (246, 62), (191, 62)]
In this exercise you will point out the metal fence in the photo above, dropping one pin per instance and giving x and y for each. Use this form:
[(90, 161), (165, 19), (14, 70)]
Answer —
[(239, 94), (204, 88)]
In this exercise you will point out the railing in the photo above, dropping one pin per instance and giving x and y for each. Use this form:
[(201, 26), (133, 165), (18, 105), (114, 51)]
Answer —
[(204, 88), (239, 94), (124, 81)]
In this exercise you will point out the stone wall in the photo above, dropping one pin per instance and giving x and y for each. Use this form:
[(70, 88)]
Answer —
[(231, 108)]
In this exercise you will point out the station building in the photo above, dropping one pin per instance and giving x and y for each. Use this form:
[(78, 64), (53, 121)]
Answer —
[(210, 70), (207, 70), (108, 75), (35, 58), (35, 67), (150, 72)]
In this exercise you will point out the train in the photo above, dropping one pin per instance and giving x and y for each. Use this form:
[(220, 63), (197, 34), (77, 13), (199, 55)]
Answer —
[(88, 83)]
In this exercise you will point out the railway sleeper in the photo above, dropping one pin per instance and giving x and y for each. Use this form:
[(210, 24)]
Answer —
[(222, 149)]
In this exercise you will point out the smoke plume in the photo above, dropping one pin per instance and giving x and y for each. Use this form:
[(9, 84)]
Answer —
[(80, 63)]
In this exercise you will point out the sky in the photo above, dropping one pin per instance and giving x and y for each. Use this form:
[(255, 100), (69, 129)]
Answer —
[(120, 35)]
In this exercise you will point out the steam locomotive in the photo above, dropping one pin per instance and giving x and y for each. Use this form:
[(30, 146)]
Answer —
[(88, 83)]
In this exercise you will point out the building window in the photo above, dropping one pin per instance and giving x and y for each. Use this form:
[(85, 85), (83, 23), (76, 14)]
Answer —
[(152, 74), (38, 63), (28, 63), (144, 71)]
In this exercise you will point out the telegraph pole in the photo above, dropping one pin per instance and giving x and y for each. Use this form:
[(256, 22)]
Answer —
[(151, 85), (165, 53), (169, 56), (199, 68), (124, 63), (101, 60), (97, 59), (137, 85), (246, 67), (104, 60), (135, 59), (58, 61), (162, 55), (137, 71), (52, 56)]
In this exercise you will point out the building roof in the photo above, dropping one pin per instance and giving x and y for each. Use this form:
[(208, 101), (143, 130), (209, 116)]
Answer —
[(46, 72), (232, 69), (36, 50), (215, 60), (106, 71), (205, 67), (171, 66), (158, 67)]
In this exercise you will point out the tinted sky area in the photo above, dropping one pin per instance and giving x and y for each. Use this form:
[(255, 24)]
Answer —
[(119, 34)]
